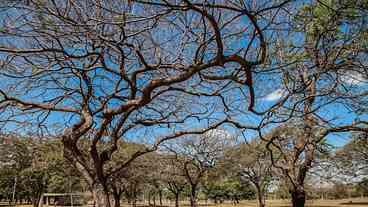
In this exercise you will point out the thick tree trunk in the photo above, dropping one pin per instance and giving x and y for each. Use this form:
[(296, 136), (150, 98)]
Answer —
[(116, 202), (100, 196), (298, 197)]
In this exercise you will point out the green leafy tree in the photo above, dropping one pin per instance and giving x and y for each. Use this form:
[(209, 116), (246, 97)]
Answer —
[(34, 183), (229, 188), (252, 162), (7, 182), (16, 156)]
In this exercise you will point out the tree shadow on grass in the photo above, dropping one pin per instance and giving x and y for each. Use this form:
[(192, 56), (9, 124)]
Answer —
[(354, 203)]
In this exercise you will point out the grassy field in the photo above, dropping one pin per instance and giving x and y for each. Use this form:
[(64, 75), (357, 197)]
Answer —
[(355, 202), (311, 203)]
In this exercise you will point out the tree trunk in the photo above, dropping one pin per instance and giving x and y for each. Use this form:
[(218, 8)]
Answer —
[(193, 202), (298, 197), (100, 196), (116, 199), (117, 202), (99, 191), (193, 197), (176, 199), (149, 199), (260, 196), (36, 199), (160, 196), (134, 203)]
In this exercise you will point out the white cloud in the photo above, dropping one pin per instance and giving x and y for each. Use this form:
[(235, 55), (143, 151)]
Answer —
[(353, 79), (275, 95)]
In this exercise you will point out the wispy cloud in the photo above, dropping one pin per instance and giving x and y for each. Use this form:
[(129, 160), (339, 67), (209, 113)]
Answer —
[(353, 79), (275, 95)]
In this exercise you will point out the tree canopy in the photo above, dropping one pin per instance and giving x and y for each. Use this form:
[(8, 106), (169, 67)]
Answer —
[(118, 83)]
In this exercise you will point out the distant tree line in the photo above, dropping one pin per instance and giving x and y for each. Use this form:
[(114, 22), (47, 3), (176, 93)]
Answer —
[(196, 168)]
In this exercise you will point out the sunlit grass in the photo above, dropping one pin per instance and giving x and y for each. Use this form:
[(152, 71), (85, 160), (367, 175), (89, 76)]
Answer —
[(354, 202)]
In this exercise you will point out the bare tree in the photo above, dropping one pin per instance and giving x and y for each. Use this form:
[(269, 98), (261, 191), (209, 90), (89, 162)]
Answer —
[(319, 76), (196, 155), (107, 70), (325, 72)]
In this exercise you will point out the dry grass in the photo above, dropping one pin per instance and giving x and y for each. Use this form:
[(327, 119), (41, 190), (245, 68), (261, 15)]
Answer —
[(361, 202), (356, 202)]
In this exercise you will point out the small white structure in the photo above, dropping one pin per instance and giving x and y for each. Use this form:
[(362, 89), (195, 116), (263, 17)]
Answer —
[(62, 199)]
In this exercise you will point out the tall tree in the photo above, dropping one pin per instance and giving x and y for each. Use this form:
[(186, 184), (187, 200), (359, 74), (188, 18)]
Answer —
[(101, 70), (326, 73)]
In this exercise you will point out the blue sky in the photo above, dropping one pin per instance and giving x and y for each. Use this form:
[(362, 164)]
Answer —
[(336, 112), (271, 89)]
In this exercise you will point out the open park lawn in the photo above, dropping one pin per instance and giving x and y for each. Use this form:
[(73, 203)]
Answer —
[(355, 202)]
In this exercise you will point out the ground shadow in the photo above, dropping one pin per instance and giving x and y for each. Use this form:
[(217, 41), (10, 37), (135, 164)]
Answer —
[(354, 203)]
